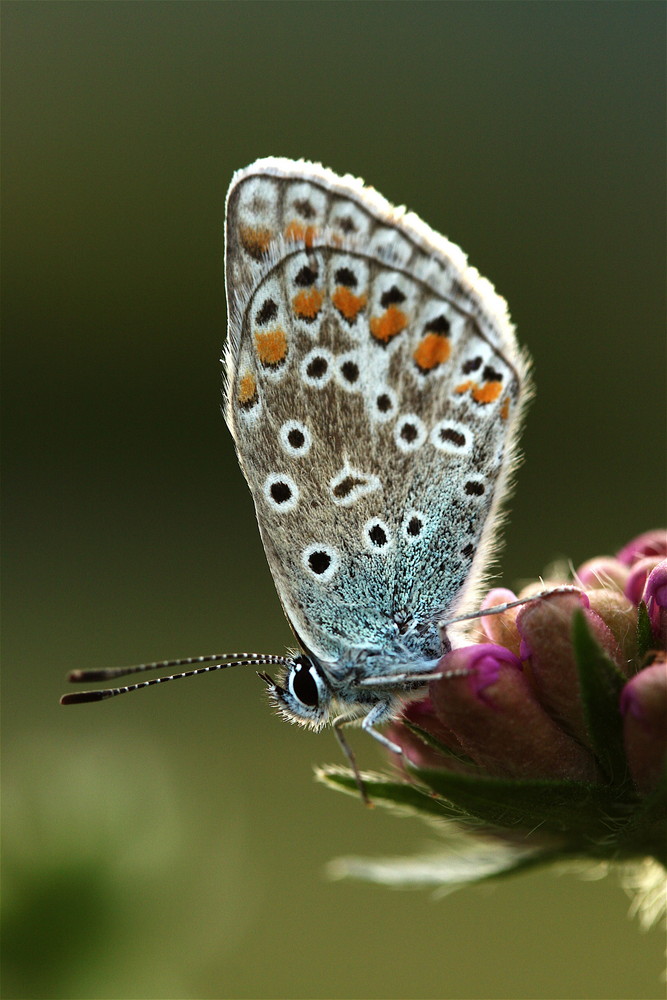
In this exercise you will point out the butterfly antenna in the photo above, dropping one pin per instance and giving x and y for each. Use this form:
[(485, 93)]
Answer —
[(215, 661), (498, 609)]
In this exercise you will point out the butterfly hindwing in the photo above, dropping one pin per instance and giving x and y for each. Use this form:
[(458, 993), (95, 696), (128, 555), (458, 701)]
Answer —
[(373, 392)]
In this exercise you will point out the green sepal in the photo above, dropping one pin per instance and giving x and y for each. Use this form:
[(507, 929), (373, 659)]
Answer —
[(552, 806), (600, 682), (461, 861), (385, 791), (436, 744), (644, 632)]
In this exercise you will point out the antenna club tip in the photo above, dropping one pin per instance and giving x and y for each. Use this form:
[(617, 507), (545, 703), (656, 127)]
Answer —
[(75, 677), (88, 676), (80, 697)]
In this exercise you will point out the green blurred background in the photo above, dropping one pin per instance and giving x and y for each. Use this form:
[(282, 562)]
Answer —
[(172, 844)]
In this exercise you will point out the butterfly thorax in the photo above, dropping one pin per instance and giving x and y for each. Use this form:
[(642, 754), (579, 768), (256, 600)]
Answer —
[(314, 693)]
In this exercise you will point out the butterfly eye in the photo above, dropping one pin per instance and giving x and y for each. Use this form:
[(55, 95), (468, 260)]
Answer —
[(305, 683)]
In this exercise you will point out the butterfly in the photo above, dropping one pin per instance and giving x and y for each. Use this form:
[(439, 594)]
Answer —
[(374, 389)]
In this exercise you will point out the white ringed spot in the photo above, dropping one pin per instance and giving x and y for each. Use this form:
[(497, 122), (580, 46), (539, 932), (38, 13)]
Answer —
[(321, 561), (295, 438), (280, 492), (409, 432), (349, 484), (474, 487), (452, 437), (317, 367), (384, 404), (348, 371), (376, 535)]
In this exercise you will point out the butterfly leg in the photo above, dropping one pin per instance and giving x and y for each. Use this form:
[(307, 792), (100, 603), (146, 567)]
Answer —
[(377, 714), (351, 759)]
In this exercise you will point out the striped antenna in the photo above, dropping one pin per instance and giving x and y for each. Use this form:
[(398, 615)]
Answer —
[(215, 661), (498, 609)]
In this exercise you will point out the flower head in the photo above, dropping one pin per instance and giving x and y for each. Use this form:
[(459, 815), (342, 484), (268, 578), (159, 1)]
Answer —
[(548, 730)]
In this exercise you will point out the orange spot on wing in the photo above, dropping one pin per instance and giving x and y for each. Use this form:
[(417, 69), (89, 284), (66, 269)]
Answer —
[(271, 346), (255, 241), (391, 322), (432, 350), (347, 303), (308, 302), (505, 409), (247, 389), (299, 233), (460, 389), (488, 392)]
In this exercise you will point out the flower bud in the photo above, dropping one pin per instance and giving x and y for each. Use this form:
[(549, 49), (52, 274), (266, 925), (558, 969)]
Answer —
[(655, 598), (620, 617), (639, 574), (545, 626), (603, 571), (498, 720), (650, 543), (644, 710), (501, 628)]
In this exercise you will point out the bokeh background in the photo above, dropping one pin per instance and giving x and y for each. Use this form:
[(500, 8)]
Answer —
[(172, 844)]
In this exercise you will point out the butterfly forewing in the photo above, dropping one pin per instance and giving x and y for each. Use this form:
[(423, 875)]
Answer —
[(373, 392)]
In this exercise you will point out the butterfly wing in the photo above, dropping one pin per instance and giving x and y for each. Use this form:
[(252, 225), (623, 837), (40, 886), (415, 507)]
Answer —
[(373, 390)]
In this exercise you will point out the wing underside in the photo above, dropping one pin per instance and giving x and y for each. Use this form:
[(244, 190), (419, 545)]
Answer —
[(373, 391)]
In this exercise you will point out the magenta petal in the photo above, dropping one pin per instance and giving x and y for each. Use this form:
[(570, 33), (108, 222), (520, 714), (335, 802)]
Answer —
[(486, 657), (650, 543), (655, 591), (480, 664), (644, 708), (639, 574), (655, 597), (498, 720)]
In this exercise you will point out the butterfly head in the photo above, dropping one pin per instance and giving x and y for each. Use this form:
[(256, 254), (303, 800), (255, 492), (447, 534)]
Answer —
[(304, 695)]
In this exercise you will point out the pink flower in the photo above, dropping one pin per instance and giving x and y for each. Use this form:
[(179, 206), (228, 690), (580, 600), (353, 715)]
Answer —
[(520, 738), (568, 695), (546, 737)]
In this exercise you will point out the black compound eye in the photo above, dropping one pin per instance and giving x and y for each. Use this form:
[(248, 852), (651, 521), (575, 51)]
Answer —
[(304, 686)]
